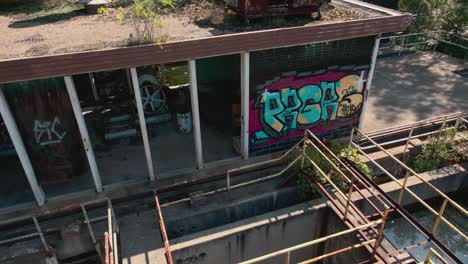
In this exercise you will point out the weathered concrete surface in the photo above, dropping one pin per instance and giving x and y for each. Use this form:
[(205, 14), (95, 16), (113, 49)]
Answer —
[(216, 210), (412, 87), (141, 239), (267, 233)]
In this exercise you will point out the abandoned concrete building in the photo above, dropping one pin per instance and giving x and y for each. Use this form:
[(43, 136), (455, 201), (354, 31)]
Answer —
[(182, 153)]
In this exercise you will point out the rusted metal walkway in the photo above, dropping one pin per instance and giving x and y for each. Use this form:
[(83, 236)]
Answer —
[(338, 179), (355, 181)]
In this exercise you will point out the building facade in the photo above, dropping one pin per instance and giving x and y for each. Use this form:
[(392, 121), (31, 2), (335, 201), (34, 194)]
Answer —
[(102, 119)]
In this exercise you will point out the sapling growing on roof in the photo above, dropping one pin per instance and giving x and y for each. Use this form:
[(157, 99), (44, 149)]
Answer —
[(146, 18)]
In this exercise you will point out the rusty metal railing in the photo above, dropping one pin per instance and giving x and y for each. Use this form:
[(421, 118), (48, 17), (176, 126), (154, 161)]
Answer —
[(433, 38), (287, 251), (111, 253), (403, 183), (342, 202), (430, 253), (404, 189), (259, 164), (162, 228), (47, 250)]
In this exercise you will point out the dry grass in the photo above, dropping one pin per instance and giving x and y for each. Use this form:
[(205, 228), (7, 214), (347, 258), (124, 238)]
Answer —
[(61, 26)]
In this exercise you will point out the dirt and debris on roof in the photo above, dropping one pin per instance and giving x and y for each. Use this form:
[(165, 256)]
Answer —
[(54, 27)]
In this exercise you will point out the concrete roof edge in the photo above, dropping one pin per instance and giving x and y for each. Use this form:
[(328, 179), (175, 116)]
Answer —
[(373, 7)]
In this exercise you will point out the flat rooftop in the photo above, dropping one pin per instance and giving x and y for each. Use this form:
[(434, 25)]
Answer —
[(413, 87), (65, 27)]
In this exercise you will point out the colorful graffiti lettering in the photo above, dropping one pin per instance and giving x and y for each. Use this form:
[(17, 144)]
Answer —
[(293, 104)]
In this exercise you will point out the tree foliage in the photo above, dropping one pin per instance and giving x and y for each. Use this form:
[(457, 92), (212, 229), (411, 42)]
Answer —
[(146, 18), (448, 15)]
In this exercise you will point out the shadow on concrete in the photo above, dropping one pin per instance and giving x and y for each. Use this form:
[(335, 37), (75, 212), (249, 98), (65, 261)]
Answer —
[(414, 87), (42, 20)]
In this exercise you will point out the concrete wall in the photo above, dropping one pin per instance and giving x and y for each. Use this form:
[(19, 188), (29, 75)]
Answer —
[(319, 86), (448, 180), (224, 208), (264, 234)]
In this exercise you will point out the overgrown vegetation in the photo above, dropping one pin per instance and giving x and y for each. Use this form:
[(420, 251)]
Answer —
[(440, 150), (146, 18), (340, 150), (448, 15)]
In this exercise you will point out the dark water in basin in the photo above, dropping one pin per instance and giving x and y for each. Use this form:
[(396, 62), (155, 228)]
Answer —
[(402, 234)]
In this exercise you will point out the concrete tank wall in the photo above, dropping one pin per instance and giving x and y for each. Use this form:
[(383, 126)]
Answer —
[(267, 233), (228, 207), (448, 180)]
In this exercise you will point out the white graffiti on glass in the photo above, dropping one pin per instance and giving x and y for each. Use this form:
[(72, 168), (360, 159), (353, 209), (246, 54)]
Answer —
[(48, 132)]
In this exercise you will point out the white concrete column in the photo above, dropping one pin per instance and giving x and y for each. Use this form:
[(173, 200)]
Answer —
[(75, 102), (195, 113), (20, 149), (370, 76), (141, 118), (245, 83)]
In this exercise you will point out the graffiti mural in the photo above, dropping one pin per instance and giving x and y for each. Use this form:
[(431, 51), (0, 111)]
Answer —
[(285, 107)]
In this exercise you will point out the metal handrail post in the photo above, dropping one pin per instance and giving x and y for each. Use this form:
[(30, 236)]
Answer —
[(304, 145), (91, 233), (431, 252), (439, 216), (401, 45), (106, 248), (442, 128), (379, 234), (41, 235), (457, 125), (228, 180), (407, 143), (162, 228), (427, 260), (403, 188), (351, 138), (111, 235), (350, 191), (287, 258)]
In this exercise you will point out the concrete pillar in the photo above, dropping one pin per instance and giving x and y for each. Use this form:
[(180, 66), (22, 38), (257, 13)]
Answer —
[(370, 76), (195, 113), (75, 102), (245, 78), (141, 118), (20, 149)]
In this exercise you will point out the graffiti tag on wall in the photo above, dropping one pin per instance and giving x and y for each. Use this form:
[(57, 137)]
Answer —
[(292, 104), (48, 132)]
